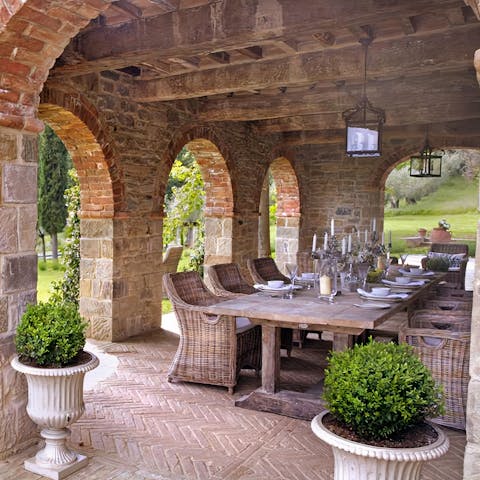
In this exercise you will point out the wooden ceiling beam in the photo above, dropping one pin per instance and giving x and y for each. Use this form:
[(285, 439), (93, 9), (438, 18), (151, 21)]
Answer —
[(204, 28), (403, 58)]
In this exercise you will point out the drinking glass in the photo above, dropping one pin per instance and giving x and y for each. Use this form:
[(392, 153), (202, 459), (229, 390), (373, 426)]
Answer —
[(292, 274), (403, 258)]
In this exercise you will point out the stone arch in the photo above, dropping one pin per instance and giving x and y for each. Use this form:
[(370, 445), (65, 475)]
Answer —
[(288, 210), (219, 201), (34, 35), (97, 211)]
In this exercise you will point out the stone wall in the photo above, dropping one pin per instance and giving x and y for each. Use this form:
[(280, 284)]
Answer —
[(18, 284)]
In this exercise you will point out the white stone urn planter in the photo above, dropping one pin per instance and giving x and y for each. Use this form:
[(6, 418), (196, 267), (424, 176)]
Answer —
[(354, 461), (55, 401)]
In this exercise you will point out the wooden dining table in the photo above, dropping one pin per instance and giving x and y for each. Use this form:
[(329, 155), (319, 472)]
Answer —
[(305, 311)]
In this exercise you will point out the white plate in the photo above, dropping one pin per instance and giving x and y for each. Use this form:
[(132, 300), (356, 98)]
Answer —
[(283, 288), (392, 297), (420, 275), (373, 305)]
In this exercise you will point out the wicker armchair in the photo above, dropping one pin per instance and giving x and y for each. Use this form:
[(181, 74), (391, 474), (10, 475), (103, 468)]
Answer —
[(227, 281), (447, 355), (455, 321), (212, 349), (264, 269), (455, 279)]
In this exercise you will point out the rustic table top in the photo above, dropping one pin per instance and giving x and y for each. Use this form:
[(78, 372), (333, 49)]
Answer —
[(306, 311)]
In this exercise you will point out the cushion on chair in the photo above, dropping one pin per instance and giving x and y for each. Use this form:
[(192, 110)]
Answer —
[(243, 324), (454, 259)]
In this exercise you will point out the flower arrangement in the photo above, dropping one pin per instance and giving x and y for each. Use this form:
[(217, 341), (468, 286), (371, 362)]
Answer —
[(444, 225)]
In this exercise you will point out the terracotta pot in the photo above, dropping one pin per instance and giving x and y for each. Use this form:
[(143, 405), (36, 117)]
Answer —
[(355, 460), (55, 401), (439, 235)]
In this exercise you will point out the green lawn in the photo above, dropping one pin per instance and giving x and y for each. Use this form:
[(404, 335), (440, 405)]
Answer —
[(45, 279)]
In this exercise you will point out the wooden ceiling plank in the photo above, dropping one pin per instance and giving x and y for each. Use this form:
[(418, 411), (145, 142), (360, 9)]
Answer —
[(129, 8), (408, 25), (254, 52)]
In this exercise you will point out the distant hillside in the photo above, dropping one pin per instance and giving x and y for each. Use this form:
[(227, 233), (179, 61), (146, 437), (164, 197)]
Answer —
[(456, 195)]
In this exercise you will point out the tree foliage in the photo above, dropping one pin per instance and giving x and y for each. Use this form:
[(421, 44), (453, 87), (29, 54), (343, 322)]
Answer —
[(400, 185), (53, 166), (68, 288), (184, 199)]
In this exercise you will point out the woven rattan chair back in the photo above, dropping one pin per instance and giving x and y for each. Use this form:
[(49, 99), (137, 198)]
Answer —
[(227, 280), (264, 269), (446, 355)]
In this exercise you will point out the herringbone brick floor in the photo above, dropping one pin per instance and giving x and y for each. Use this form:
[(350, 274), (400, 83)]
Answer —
[(137, 426)]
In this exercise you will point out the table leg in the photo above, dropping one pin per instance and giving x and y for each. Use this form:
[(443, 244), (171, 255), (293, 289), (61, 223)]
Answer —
[(270, 358), (342, 341)]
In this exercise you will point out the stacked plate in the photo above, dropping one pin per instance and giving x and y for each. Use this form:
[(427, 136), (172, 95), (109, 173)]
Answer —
[(413, 284), (391, 297), (425, 274), (283, 289)]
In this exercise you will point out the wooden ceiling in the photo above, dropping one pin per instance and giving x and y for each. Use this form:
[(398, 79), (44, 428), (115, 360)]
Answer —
[(290, 66)]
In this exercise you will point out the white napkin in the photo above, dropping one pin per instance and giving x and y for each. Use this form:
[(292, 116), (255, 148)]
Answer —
[(423, 274), (413, 283), (391, 295)]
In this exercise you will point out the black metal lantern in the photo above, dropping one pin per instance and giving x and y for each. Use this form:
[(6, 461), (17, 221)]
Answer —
[(364, 122), (428, 163)]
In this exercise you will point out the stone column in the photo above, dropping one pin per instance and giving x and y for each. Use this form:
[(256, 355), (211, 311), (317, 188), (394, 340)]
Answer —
[(218, 240), (286, 245), (264, 222), (471, 467), (18, 281)]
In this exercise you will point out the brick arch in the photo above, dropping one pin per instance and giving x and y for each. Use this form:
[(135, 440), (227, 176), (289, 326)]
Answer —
[(34, 35), (92, 165), (288, 193), (207, 148), (288, 211), (219, 203)]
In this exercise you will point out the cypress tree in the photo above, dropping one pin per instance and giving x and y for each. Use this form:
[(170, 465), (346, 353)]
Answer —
[(54, 163)]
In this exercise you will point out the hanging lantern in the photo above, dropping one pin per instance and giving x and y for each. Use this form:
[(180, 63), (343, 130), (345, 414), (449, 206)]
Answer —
[(428, 163), (364, 122)]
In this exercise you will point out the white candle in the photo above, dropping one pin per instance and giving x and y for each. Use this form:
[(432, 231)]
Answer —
[(383, 238), (366, 236), (374, 225), (325, 285), (314, 242), (325, 241), (332, 227), (349, 249), (344, 246)]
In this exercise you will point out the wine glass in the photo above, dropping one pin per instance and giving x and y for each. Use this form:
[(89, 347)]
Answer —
[(403, 258), (292, 274)]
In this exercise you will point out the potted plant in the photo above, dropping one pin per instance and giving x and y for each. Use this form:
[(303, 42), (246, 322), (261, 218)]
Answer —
[(441, 233), (378, 396), (49, 341)]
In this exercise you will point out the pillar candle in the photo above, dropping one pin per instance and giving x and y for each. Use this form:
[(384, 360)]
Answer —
[(325, 285), (366, 236), (314, 242), (332, 227), (325, 241), (349, 249), (374, 224), (383, 238), (344, 246)]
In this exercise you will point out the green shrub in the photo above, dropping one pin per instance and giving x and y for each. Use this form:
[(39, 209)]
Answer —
[(42, 266), (380, 389), (50, 334)]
